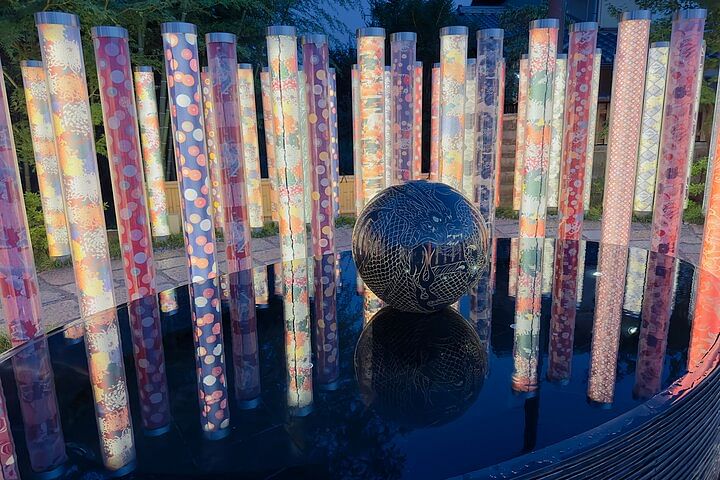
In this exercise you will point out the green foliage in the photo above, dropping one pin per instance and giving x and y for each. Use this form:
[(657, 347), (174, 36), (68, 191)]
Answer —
[(38, 235), (270, 229), (345, 221), (506, 212), (174, 241)]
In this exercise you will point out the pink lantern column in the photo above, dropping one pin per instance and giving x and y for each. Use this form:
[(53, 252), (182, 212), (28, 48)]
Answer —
[(402, 68), (222, 66), (184, 93), (417, 121), (684, 61), (316, 61), (215, 170), (435, 123), (112, 56)]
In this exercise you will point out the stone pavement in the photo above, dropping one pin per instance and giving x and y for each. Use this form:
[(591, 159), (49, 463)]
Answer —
[(57, 287)]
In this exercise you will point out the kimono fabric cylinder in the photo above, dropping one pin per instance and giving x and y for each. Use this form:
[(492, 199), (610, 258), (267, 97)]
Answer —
[(46, 161), (215, 171), (417, 122), (487, 111), (684, 62), (402, 68), (592, 124), (371, 98), (520, 131), (434, 123), (305, 144), (184, 93), (581, 59), (557, 130), (316, 60), (469, 140), (152, 156), (335, 152), (624, 126), (357, 168), (327, 361), (269, 141), (222, 66), (419, 246), (246, 354), (298, 349), (499, 142), (453, 58), (250, 148), (290, 180), (387, 78), (117, 96)]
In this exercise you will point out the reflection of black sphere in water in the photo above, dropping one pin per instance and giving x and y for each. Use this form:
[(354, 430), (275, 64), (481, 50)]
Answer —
[(419, 369)]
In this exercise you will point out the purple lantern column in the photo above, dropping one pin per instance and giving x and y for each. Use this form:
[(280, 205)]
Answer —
[(222, 66), (402, 71), (335, 153), (184, 93), (316, 63)]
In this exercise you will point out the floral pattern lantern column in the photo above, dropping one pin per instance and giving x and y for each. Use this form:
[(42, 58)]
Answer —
[(402, 67), (250, 148)]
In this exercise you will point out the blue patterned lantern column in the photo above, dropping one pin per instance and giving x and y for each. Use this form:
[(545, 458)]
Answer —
[(184, 93)]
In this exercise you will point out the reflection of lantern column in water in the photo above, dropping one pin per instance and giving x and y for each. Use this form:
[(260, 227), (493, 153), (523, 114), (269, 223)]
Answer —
[(592, 124), (435, 123), (212, 148), (144, 318), (388, 126), (371, 73), (152, 156), (246, 354), (112, 56), (469, 140), (357, 166), (489, 60), (558, 118), (298, 350), (334, 152), (327, 364), (417, 122), (500, 127), (269, 141), (402, 64), (305, 143), (222, 66), (316, 61), (513, 273), (282, 60), (39, 408), (652, 114), (635, 280), (46, 160), (520, 131), (8, 462), (684, 61), (656, 311), (706, 320), (250, 147), (548, 266), (371, 303), (453, 58), (260, 286), (181, 56), (168, 302), (624, 129)]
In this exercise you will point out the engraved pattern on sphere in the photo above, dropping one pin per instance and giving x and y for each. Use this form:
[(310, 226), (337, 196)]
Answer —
[(420, 246)]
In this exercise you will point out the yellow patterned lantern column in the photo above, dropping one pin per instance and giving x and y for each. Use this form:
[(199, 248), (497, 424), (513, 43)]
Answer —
[(558, 117), (693, 131), (453, 58), (652, 114), (212, 147), (285, 99), (46, 161), (250, 148), (371, 74), (269, 141), (470, 140), (152, 156), (592, 124), (520, 131)]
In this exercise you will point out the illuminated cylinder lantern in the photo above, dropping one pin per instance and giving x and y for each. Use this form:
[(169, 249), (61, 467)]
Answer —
[(500, 127), (558, 118), (711, 157), (592, 123), (453, 58), (316, 60), (489, 116), (46, 161), (469, 148), (652, 115), (260, 286), (357, 167), (371, 73), (387, 104), (693, 131), (269, 141), (435, 123), (250, 148), (543, 45), (305, 144), (520, 131), (417, 122), (117, 96), (684, 62), (144, 319), (215, 170), (581, 55), (184, 93), (222, 66), (402, 106), (327, 361), (282, 58), (246, 353), (624, 127), (152, 157), (635, 280), (168, 302), (8, 462), (335, 153)]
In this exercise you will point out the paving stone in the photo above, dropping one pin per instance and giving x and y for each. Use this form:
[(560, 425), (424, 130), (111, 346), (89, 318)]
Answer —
[(60, 276), (177, 261)]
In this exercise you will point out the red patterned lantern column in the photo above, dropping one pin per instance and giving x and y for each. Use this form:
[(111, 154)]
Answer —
[(435, 123)]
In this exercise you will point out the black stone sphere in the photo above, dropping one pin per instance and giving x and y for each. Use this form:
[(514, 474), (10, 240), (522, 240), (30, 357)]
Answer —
[(419, 369), (420, 246)]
